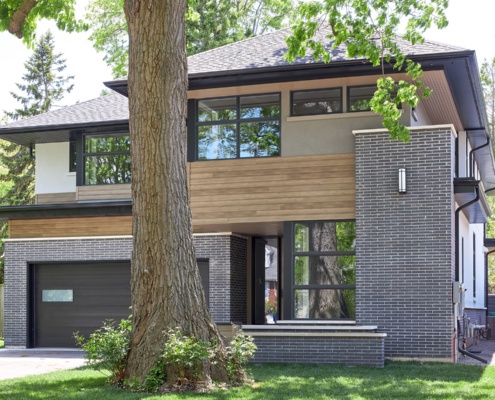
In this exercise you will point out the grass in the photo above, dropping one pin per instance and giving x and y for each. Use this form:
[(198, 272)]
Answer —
[(398, 380), (1, 344)]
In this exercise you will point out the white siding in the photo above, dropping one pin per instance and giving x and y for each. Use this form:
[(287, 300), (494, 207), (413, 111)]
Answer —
[(52, 169)]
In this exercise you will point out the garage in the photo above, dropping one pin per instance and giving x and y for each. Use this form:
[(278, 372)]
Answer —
[(66, 298)]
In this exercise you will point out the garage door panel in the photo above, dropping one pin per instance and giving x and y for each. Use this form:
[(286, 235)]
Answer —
[(100, 292)]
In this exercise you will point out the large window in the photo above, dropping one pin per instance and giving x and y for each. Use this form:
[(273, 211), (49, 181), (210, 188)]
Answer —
[(237, 127), (323, 270), (107, 159)]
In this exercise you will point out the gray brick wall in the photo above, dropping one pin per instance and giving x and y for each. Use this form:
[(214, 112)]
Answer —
[(227, 256), (318, 350), (227, 261), (405, 242)]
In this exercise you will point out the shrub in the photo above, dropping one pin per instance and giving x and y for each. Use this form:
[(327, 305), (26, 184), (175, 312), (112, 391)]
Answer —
[(107, 347), (187, 355), (241, 349)]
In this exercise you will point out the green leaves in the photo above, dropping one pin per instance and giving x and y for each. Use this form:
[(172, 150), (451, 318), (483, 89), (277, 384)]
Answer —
[(369, 30)]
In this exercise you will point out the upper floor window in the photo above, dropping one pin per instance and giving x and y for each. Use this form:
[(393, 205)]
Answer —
[(238, 127), (358, 98), (107, 159), (314, 102)]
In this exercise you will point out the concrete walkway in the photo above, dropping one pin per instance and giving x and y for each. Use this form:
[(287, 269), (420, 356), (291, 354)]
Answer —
[(20, 363)]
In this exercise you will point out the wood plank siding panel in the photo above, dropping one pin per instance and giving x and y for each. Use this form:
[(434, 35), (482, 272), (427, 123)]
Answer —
[(56, 198), (104, 192), (70, 227), (273, 189), (230, 192)]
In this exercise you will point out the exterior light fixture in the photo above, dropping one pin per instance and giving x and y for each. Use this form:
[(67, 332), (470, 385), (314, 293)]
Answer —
[(402, 180)]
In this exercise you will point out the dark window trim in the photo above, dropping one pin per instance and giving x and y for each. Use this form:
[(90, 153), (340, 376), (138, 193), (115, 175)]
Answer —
[(288, 279), (193, 117), (348, 102), (82, 155), (72, 153), (340, 88)]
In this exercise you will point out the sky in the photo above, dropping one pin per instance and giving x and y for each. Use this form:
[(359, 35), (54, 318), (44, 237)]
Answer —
[(471, 25)]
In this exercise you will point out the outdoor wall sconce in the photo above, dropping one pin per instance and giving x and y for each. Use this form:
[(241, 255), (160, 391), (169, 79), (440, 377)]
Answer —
[(402, 180)]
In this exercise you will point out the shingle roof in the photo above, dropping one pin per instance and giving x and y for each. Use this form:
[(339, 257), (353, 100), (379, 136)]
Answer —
[(265, 51), (268, 51), (113, 107)]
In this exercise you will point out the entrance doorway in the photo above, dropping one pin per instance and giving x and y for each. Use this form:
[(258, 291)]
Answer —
[(266, 280)]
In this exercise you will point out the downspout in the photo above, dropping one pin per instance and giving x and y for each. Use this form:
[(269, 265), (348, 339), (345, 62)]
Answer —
[(471, 162)]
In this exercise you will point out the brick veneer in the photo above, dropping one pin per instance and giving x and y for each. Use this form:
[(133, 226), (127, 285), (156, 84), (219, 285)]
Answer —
[(227, 261), (405, 242)]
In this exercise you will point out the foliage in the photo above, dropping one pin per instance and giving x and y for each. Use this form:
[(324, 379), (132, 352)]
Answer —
[(240, 350), (107, 347), (61, 11), (44, 83), (209, 24), (488, 85), (187, 355), (369, 29)]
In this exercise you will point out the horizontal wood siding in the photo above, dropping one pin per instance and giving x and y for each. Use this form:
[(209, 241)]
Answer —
[(56, 198), (70, 227), (273, 189), (104, 192)]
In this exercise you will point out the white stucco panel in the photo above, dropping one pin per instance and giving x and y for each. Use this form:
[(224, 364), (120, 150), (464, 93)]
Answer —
[(52, 169)]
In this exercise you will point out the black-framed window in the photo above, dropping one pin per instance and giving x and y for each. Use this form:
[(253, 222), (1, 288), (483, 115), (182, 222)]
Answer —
[(106, 159), (72, 156), (238, 127), (315, 102), (358, 98), (323, 270)]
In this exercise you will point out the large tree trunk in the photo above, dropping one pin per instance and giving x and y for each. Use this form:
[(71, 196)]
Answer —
[(165, 282)]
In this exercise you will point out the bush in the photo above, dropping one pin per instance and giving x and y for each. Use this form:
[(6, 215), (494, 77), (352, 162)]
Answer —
[(185, 353), (241, 349), (107, 347)]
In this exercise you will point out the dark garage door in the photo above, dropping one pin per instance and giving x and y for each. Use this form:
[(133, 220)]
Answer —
[(77, 297)]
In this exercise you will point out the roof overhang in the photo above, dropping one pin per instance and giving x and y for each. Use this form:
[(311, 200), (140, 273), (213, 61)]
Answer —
[(59, 133), (465, 191), (90, 209)]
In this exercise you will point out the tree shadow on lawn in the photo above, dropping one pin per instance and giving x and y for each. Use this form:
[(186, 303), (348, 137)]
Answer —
[(279, 381)]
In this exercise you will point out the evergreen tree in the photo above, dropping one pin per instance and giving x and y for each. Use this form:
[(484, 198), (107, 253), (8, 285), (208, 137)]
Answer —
[(43, 85)]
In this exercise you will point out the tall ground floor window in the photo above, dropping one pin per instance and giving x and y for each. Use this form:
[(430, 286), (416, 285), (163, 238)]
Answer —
[(321, 273)]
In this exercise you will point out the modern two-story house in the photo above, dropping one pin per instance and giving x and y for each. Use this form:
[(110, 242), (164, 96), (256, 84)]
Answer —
[(305, 212)]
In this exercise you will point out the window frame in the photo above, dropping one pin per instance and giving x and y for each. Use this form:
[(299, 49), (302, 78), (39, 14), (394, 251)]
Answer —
[(290, 285), (339, 88), (72, 156), (348, 105), (193, 153), (83, 155)]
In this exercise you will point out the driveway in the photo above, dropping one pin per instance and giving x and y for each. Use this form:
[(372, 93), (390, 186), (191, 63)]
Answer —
[(19, 363)]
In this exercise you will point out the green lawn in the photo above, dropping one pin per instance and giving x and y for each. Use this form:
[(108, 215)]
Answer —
[(276, 381)]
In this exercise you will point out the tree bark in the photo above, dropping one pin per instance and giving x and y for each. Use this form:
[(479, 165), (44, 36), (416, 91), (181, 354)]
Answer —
[(165, 282), (17, 20)]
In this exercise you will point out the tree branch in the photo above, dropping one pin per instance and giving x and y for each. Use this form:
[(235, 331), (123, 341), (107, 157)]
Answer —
[(17, 20)]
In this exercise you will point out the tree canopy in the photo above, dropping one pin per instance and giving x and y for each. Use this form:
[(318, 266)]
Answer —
[(209, 24), (370, 30)]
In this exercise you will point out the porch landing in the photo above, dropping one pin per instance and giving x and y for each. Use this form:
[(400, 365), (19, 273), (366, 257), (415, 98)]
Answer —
[(318, 342)]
